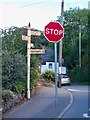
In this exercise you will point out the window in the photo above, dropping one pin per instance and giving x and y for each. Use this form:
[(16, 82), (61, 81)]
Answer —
[(50, 65)]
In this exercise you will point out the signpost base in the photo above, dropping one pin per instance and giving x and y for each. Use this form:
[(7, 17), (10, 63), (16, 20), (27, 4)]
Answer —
[(28, 94)]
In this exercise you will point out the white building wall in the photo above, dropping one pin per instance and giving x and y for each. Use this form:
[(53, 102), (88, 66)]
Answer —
[(43, 69), (62, 70), (46, 67)]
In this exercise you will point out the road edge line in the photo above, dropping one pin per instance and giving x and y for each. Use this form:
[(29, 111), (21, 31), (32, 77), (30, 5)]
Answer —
[(67, 107)]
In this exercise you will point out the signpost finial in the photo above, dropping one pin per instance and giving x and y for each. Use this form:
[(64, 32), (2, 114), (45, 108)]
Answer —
[(29, 24)]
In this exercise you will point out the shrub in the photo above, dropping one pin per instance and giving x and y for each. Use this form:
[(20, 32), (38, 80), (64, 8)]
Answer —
[(80, 75), (20, 87), (35, 77), (7, 94), (49, 76)]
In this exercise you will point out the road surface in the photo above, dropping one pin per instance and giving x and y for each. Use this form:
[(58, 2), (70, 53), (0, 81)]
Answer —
[(80, 107)]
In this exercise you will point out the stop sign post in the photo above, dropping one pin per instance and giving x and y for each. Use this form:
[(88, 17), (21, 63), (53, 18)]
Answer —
[(54, 32)]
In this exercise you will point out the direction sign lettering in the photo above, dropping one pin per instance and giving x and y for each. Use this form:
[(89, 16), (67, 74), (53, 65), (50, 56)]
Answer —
[(37, 51)]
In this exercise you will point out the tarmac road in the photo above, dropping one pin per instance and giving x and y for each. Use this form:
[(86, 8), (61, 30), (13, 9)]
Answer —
[(80, 107)]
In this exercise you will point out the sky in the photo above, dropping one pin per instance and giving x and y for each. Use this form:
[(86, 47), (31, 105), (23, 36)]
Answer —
[(38, 12)]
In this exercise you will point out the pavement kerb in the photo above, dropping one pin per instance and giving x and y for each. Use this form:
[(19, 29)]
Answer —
[(67, 107)]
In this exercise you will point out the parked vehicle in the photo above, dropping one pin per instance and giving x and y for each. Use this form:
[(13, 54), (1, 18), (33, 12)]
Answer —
[(65, 80)]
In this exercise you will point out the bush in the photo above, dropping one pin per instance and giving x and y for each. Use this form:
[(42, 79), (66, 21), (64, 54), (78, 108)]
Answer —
[(35, 77), (34, 72), (13, 70), (80, 75), (7, 94), (20, 87), (49, 76)]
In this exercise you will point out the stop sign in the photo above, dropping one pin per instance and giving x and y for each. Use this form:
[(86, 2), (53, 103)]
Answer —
[(54, 32)]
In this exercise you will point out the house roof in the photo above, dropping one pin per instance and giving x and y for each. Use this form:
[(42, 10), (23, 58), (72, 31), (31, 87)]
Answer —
[(49, 56)]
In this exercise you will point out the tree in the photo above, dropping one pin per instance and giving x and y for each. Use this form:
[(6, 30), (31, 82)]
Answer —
[(72, 19)]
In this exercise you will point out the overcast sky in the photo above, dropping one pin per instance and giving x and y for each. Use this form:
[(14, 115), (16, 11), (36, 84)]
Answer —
[(38, 12)]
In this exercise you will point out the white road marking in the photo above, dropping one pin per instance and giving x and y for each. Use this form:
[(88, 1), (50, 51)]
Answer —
[(73, 90), (1, 109), (86, 115)]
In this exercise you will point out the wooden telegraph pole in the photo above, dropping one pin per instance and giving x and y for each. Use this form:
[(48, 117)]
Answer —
[(60, 45), (29, 52), (79, 46)]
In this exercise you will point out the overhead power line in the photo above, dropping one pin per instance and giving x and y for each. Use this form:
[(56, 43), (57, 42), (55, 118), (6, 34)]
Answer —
[(35, 3), (32, 4)]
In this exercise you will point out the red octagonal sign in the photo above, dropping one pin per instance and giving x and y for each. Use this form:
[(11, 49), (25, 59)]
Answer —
[(54, 32)]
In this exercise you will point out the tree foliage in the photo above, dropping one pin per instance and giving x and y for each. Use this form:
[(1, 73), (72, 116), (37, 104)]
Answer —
[(14, 61), (72, 19)]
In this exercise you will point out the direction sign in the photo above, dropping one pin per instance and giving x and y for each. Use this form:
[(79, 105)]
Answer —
[(54, 32), (36, 33), (24, 37), (37, 51)]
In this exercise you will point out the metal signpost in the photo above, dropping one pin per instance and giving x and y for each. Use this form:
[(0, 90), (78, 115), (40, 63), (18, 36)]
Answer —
[(56, 74), (29, 52), (54, 32)]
